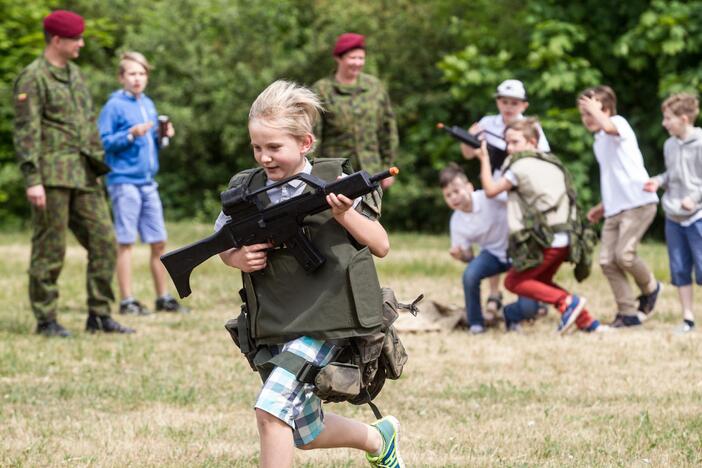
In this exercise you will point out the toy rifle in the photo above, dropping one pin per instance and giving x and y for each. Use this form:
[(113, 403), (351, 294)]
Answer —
[(281, 224), (497, 155)]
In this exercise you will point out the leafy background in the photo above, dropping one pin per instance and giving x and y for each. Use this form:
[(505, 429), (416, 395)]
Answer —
[(440, 59)]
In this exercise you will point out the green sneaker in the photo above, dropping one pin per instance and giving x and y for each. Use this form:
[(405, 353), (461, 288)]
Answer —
[(389, 428)]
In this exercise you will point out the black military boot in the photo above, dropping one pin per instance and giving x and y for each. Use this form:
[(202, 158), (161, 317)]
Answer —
[(105, 324), (52, 328)]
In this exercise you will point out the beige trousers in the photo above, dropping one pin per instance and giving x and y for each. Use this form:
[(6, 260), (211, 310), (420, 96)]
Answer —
[(621, 235)]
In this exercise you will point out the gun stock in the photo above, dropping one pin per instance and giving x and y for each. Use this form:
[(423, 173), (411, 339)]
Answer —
[(181, 262)]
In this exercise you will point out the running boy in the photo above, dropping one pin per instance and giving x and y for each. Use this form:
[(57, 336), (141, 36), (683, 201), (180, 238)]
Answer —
[(536, 187), (628, 211), (129, 135), (682, 199), (477, 219), (292, 310)]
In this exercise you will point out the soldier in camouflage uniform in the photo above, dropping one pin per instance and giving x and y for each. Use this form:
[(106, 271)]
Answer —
[(60, 156), (358, 122)]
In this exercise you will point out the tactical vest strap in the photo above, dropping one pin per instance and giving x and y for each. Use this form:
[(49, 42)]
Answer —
[(303, 370)]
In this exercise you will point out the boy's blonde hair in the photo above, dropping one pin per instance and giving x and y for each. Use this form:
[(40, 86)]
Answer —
[(529, 127), (133, 57), (683, 104), (287, 106), (605, 95), (450, 173)]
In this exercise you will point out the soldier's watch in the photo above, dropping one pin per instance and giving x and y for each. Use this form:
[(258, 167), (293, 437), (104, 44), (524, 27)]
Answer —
[(130, 138)]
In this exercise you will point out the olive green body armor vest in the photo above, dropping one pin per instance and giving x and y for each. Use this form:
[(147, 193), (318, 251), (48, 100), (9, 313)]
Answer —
[(341, 299)]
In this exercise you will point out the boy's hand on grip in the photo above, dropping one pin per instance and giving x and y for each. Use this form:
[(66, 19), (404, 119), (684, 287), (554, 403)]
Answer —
[(248, 258)]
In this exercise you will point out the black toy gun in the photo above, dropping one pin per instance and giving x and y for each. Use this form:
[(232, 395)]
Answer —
[(497, 155), (280, 224)]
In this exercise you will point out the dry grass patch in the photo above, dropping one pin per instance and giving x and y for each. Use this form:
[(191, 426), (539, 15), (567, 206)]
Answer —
[(178, 394)]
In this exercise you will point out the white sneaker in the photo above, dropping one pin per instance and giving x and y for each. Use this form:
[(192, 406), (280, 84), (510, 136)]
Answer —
[(684, 329)]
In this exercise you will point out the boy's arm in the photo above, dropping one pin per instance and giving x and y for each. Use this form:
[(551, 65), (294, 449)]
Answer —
[(595, 213), (594, 108), (491, 187), (365, 231), (113, 141)]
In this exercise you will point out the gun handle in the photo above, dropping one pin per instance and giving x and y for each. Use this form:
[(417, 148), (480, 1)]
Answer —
[(304, 251), (181, 262)]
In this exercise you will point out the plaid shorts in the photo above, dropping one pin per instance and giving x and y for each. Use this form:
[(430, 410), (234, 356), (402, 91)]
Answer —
[(291, 401)]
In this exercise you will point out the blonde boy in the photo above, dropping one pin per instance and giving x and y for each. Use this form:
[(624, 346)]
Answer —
[(682, 200), (628, 211), (300, 313)]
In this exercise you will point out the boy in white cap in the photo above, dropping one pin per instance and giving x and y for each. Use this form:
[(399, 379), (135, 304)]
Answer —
[(511, 101)]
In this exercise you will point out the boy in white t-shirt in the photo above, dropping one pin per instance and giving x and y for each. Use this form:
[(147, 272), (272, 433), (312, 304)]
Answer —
[(483, 221), (627, 209)]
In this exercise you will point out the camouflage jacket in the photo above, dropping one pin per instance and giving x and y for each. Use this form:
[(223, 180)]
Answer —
[(56, 136), (358, 123)]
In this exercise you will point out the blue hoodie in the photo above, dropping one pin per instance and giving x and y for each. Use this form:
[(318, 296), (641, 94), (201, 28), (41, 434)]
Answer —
[(132, 162)]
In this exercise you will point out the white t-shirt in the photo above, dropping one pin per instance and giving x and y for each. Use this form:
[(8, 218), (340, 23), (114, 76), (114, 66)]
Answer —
[(560, 239), (495, 125), (622, 171), (485, 226)]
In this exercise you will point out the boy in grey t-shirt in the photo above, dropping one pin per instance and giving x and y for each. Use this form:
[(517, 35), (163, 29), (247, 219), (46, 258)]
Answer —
[(682, 201)]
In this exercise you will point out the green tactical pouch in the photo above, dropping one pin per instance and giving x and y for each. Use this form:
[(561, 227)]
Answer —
[(238, 329), (524, 250), (582, 249), (338, 381), (393, 356)]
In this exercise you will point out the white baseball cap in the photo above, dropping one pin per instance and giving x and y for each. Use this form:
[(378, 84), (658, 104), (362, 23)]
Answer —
[(513, 89)]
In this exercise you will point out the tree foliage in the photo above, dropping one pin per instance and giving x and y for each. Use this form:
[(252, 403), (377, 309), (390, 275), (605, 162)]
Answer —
[(441, 61)]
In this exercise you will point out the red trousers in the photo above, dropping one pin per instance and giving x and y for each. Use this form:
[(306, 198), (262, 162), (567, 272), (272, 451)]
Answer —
[(537, 283)]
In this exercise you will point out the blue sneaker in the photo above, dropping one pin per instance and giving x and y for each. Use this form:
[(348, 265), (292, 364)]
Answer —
[(389, 428), (571, 313)]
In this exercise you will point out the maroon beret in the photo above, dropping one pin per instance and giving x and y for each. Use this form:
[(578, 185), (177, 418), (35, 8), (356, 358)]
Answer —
[(64, 23), (348, 41)]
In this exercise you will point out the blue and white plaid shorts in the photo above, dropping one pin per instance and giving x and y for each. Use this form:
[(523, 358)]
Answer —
[(291, 401)]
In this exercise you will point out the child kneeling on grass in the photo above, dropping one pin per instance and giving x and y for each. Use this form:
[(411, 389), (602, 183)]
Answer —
[(299, 312), (536, 186), (477, 219), (682, 200)]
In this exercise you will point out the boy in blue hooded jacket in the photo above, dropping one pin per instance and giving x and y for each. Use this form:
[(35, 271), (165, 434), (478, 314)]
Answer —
[(129, 133)]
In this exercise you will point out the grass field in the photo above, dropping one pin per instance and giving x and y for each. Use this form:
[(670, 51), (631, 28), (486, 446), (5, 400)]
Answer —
[(178, 393)]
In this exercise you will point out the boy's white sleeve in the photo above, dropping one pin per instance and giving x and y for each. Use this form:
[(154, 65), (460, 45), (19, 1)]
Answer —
[(457, 239), (623, 128), (543, 142), (222, 219), (511, 177)]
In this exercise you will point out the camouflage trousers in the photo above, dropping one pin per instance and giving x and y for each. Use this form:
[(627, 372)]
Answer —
[(86, 214)]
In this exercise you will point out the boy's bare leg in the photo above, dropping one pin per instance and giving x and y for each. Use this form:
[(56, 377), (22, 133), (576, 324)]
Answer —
[(685, 293), (124, 270), (344, 432), (158, 271), (276, 438)]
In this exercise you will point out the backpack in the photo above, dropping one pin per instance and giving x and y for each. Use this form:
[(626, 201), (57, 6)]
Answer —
[(358, 371), (525, 247)]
